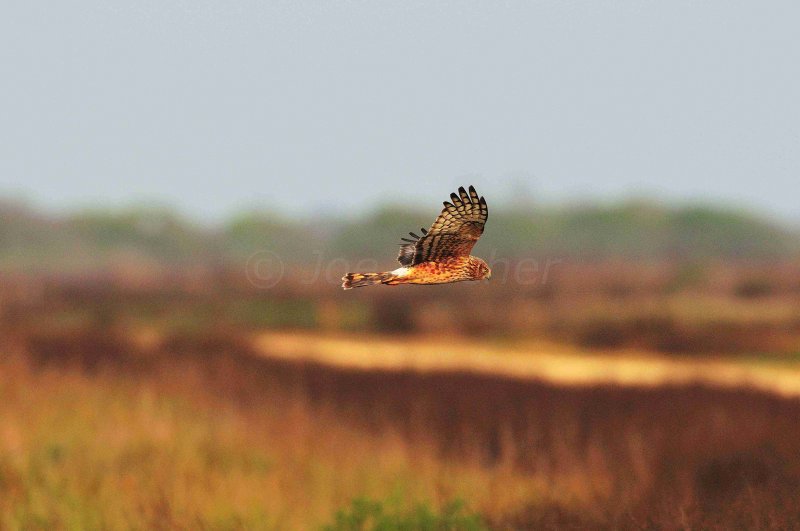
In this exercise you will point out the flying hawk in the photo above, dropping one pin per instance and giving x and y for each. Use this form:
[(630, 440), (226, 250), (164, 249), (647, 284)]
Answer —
[(441, 254)]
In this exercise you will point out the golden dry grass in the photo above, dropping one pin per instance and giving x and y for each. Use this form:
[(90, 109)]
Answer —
[(558, 364), (114, 451)]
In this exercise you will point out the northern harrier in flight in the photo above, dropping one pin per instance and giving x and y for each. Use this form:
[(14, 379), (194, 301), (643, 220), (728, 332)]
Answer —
[(441, 254)]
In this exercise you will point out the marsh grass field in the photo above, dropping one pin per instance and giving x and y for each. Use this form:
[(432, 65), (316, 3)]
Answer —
[(167, 407), (206, 433)]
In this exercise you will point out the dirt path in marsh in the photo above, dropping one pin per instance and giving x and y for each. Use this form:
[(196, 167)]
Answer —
[(552, 363)]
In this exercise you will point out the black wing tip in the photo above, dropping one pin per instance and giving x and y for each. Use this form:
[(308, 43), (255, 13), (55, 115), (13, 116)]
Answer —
[(454, 198), (473, 195)]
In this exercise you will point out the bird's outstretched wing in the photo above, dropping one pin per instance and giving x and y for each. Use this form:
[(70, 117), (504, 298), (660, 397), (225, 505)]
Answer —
[(453, 234)]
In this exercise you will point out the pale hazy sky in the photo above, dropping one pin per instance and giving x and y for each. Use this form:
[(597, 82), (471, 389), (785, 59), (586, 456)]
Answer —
[(216, 106)]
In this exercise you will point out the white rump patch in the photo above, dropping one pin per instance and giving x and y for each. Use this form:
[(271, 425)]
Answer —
[(400, 271)]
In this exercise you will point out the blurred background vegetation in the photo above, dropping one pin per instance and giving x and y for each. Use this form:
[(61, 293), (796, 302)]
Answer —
[(98, 239), (153, 376)]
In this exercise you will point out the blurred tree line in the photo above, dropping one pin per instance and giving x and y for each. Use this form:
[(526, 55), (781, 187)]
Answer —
[(34, 241)]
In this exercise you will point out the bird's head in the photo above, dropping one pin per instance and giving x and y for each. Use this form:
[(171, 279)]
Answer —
[(481, 271)]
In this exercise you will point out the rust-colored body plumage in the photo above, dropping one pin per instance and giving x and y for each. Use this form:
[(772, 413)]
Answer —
[(441, 254), (441, 271)]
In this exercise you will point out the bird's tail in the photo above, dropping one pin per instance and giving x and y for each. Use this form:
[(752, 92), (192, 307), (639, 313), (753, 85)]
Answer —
[(358, 280)]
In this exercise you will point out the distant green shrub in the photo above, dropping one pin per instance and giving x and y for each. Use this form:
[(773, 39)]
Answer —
[(373, 515)]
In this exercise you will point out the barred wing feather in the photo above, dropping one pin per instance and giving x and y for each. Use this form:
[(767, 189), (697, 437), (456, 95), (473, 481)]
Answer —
[(453, 234)]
